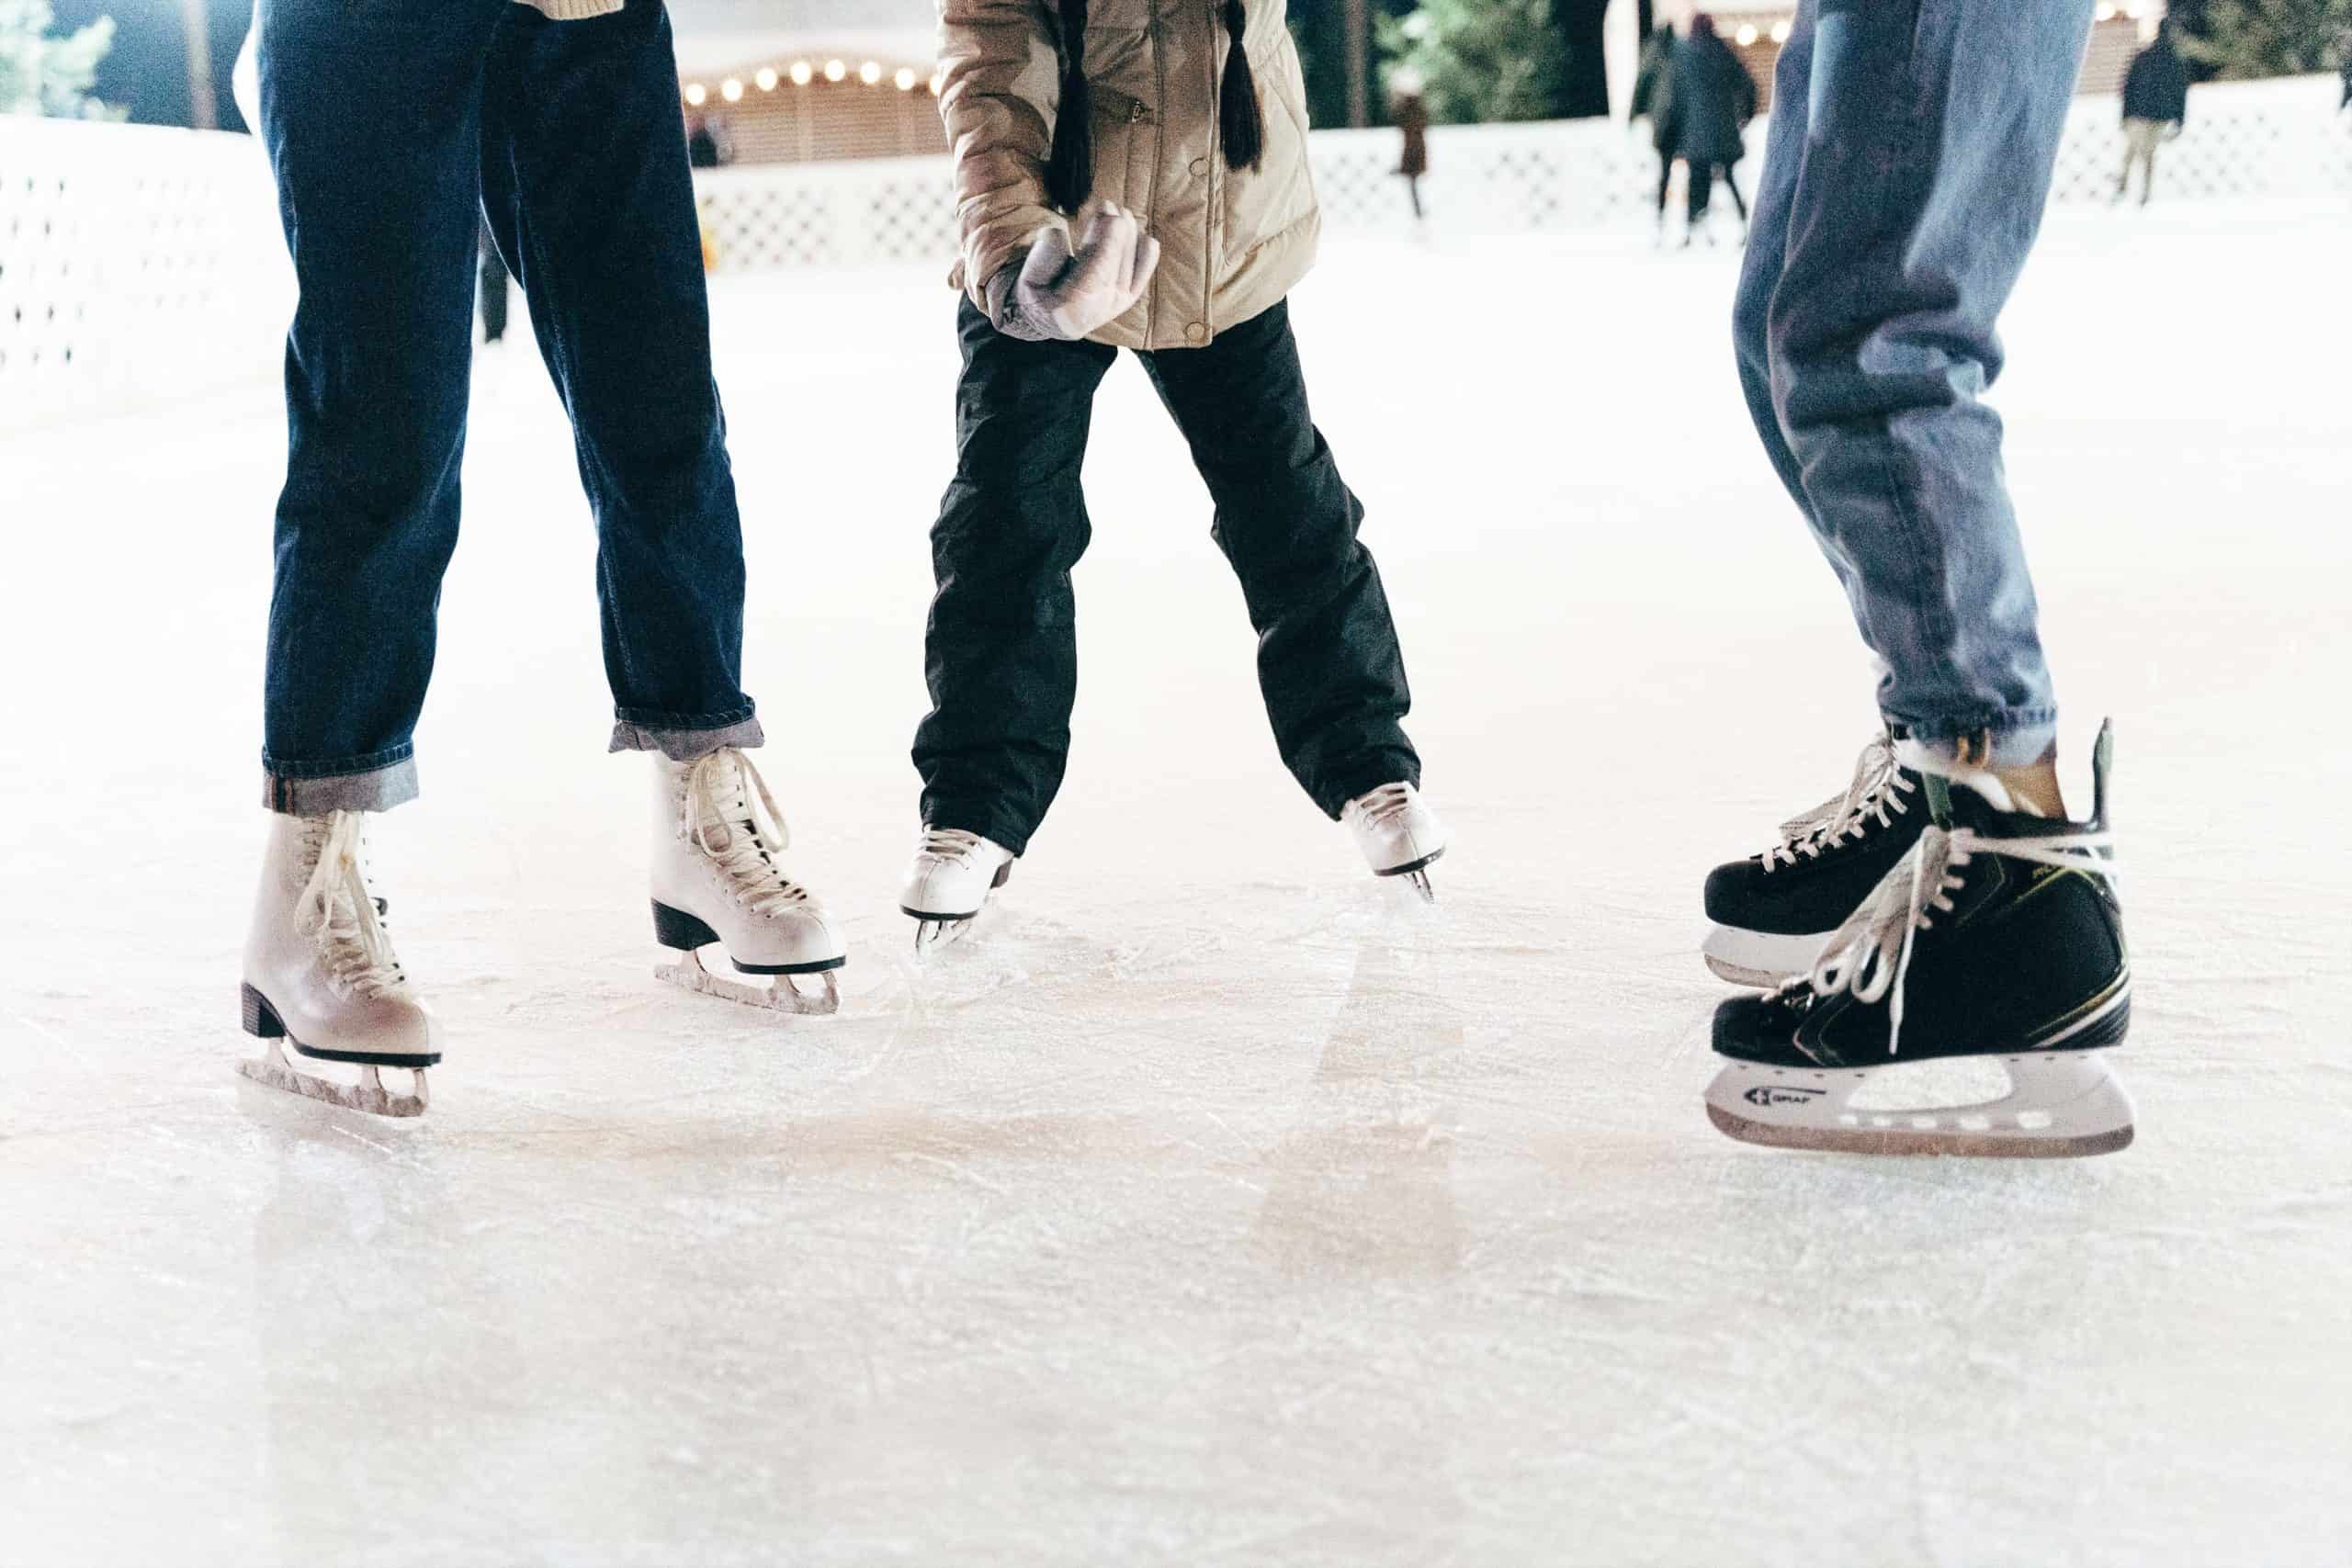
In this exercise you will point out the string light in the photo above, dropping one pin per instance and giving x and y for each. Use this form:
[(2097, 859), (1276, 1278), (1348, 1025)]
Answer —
[(1746, 36), (906, 78), (1781, 30)]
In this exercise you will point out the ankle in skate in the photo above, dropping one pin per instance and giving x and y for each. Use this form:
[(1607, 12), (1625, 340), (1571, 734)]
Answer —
[(1997, 936), (320, 975), (717, 878), (1772, 911), (952, 878), (1396, 834)]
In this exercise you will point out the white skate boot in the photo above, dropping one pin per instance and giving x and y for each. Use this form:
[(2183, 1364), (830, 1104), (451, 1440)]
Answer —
[(1398, 832), (717, 837), (953, 875), (320, 975)]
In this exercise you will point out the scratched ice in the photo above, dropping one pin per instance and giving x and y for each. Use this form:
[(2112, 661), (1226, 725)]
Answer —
[(1207, 1210)]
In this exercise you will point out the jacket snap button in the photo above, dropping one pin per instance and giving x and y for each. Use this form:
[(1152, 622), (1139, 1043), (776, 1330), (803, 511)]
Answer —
[(1196, 333), (1200, 167)]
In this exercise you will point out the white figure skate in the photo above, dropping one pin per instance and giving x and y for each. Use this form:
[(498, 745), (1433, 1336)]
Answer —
[(950, 878), (718, 878), (321, 975), (1397, 834)]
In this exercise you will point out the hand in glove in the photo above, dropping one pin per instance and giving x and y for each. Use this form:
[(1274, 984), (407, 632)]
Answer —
[(1054, 293)]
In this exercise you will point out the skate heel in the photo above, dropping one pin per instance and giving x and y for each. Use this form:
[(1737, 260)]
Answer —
[(261, 1019), (677, 929)]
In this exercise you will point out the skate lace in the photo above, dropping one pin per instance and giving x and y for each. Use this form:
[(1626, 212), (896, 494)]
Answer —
[(1383, 808), (710, 812), (949, 844), (1877, 791), (1871, 954), (339, 914)]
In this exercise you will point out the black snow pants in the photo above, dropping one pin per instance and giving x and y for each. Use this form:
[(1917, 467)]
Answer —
[(1000, 649)]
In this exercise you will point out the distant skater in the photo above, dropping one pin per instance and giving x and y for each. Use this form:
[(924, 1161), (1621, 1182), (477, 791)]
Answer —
[(492, 282), (1710, 99), (2156, 107), (1653, 86), (1412, 116)]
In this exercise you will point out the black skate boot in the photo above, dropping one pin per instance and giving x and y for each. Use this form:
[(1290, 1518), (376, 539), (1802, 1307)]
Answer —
[(1772, 911), (1997, 936)]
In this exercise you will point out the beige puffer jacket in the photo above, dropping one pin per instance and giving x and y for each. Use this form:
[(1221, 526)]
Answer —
[(1232, 242)]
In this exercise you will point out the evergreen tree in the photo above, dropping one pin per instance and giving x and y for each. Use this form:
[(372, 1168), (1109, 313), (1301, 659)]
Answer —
[(2272, 38), (44, 76), (1480, 60)]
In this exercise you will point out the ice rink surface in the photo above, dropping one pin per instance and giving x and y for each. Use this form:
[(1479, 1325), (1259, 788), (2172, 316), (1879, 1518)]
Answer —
[(1208, 1208)]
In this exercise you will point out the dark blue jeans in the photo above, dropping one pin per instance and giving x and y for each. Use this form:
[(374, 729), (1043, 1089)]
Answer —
[(394, 127), (1912, 143)]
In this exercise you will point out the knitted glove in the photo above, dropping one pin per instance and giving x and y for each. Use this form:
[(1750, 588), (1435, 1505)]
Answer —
[(1054, 293)]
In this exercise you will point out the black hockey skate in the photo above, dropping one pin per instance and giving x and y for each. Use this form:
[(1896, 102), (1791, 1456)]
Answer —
[(1997, 936), (1772, 911)]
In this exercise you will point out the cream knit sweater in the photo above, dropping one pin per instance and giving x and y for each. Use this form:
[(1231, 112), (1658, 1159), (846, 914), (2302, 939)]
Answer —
[(573, 10)]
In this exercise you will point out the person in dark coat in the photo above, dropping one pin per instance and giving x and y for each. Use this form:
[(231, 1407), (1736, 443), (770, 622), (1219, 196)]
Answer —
[(2155, 107), (1652, 85), (1710, 99), (492, 291), (1407, 107)]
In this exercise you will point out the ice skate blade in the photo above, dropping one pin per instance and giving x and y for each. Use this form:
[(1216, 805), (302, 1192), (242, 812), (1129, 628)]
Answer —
[(369, 1095), (2063, 1105), (934, 932), (781, 996), (1761, 959)]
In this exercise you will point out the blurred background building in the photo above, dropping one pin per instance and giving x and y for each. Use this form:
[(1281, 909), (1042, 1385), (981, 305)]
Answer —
[(811, 80)]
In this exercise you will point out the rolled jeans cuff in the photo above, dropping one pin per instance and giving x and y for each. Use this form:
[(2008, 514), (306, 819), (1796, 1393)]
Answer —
[(2018, 739), (682, 738), (373, 786)]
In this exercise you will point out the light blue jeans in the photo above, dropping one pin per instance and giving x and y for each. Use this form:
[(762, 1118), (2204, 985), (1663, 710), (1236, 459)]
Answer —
[(1912, 143)]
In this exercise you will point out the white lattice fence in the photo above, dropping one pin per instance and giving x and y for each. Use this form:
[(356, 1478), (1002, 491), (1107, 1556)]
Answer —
[(134, 262), (138, 264), (2244, 140), (828, 214)]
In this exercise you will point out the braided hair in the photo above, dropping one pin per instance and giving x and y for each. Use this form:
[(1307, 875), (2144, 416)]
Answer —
[(1240, 123), (1069, 169), (1070, 172)]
